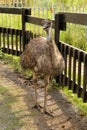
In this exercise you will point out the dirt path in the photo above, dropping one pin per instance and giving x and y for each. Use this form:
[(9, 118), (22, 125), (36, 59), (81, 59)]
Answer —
[(17, 99)]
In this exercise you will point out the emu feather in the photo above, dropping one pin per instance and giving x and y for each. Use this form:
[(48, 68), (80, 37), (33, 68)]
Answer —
[(43, 57)]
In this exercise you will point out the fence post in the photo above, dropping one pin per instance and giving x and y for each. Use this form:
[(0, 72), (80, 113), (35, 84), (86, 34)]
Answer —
[(85, 79), (25, 11), (23, 28), (57, 31), (57, 34), (59, 25)]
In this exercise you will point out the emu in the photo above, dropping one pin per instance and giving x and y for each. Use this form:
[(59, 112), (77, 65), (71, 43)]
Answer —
[(43, 57)]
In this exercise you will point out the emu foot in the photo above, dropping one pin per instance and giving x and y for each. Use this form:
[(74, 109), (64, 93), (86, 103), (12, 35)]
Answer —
[(39, 107), (49, 113)]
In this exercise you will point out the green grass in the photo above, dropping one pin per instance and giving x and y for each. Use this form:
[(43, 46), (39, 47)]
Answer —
[(8, 99), (14, 62), (8, 20), (82, 107), (77, 102), (75, 35), (8, 119)]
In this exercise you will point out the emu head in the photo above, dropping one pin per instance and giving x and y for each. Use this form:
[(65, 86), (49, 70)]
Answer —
[(47, 24)]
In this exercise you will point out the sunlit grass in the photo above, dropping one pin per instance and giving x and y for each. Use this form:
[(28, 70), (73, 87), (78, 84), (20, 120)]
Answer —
[(78, 102), (10, 21), (14, 61), (8, 118), (75, 35), (73, 98)]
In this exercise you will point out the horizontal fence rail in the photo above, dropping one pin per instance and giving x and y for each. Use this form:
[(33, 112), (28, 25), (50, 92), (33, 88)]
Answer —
[(10, 10), (36, 20), (13, 41), (76, 18), (14, 10)]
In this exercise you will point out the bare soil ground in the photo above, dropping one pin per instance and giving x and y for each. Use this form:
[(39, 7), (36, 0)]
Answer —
[(17, 100)]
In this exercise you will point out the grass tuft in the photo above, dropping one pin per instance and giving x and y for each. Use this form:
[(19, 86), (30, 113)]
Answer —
[(14, 61), (78, 102)]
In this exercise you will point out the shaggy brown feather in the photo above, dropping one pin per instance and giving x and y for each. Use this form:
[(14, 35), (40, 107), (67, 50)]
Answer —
[(42, 57)]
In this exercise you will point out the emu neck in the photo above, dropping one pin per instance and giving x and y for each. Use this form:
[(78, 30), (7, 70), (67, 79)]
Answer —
[(49, 35)]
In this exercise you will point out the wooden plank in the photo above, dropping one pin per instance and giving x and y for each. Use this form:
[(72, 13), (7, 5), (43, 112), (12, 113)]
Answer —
[(74, 71), (63, 54), (6, 50), (57, 31), (20, 43), (57, 34), (0, 39), (27, 11), (36, 20), (79, 75), (76, 18), (16, 42), (10, 30), (23, 28), (3, 39), (60, 77), (76, 49), (65, 58), (8, 41), (27, 36), (85, 79), (12, 10), (39, 21), (11, 41), (69, 71)]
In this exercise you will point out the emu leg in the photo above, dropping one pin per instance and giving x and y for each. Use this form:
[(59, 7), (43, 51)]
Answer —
[(45, 100), (35, 88), (36, 102), (45, 94), (45, 97), (36, 94)]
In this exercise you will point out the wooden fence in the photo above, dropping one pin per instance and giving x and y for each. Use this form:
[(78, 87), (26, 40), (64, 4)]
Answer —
[(11, 39), (75, 73)]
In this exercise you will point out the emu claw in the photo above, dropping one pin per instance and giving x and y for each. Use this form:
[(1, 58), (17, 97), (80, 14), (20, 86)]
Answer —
[(49, 113), (37, 107)]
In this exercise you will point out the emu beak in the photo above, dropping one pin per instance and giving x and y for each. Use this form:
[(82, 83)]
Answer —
[(46, 26)]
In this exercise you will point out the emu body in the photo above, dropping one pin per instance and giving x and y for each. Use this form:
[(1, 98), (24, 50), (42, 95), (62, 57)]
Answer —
[(43, 57)]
